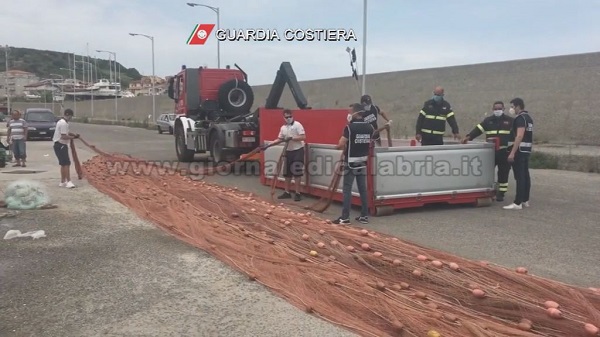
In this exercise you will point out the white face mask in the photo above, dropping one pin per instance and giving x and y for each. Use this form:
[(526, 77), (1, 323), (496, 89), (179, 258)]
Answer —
[(511, 111), (289, 120), (498, 113), (368, 107)]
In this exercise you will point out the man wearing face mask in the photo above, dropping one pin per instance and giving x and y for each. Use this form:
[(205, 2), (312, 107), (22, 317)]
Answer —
[(431, 123), (293, 133), (520, 148), (370, 115), (498, 125), (355, 142)]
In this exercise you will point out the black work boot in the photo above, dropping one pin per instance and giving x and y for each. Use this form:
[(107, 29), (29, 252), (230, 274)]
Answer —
[(285, 195), (500, 196)]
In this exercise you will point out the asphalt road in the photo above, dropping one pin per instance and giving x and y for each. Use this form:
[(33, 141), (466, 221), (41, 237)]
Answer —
[(102, 271), (558, 237)]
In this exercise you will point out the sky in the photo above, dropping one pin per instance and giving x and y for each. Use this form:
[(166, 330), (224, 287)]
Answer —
[(401, 34)]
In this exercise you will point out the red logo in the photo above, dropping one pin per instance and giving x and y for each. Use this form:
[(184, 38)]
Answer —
[(200, 34)]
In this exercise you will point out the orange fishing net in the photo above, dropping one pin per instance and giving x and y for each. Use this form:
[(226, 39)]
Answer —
[(367, 282)]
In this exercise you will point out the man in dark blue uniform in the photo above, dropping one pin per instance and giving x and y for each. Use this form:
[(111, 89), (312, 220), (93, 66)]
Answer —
[(520, 149), (356, 143)]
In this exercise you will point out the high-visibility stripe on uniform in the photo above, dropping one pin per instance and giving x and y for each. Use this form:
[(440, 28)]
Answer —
[(496, 132), (480, 127), (432, 132), (438, 117), (503, 187)]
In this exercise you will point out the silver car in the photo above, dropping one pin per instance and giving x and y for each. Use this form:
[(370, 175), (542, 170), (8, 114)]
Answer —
[(165, 122)]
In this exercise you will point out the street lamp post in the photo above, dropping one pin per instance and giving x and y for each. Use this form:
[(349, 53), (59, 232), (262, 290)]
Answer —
[(216, 10), (153, 75), (62, 78), (364, 58), (114, 54), (71, 71), (91, 90)]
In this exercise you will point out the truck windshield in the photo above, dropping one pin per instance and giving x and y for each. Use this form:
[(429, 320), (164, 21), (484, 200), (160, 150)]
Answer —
[(40, 116), (171, 117)]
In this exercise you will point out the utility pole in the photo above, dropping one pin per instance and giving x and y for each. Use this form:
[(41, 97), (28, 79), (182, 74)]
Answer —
[(87, 60), (74, 83), (364, 58), (6, 52), (118, 89), (87, 50)]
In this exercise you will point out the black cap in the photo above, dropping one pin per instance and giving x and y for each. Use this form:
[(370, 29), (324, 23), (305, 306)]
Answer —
[(357, 107), (365, 99)]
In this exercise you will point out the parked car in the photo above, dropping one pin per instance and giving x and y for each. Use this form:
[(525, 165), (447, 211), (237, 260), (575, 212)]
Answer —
[(166, 122), (41, 123)]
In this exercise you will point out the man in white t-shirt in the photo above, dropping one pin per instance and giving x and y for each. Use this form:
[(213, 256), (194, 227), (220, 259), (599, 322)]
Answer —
[(62, 137), (292, 132)]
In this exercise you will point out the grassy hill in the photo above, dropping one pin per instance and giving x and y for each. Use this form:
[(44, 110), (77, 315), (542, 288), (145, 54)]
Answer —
[(46, 62)]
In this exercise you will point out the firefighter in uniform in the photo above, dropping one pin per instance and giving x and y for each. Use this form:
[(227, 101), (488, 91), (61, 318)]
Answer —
[(520, 148), (370, 115), (356, 143), (431, 123), (496, 126)]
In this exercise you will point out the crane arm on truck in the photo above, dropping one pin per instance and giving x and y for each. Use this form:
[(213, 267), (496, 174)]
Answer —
[(286, 75)]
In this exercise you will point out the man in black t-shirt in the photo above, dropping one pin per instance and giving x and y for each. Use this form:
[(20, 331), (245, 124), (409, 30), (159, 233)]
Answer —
[(356, 143), (370, 115), (520, 149)]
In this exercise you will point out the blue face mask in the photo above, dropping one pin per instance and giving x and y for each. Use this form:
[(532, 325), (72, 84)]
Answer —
[(437, 98)]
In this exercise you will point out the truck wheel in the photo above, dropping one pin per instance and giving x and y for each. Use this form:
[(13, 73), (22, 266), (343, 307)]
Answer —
[(170, 130), (236, 96), (159, 130), (216, 150), (183, 154)]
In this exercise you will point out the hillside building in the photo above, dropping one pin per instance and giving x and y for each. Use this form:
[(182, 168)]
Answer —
[(15, 82)]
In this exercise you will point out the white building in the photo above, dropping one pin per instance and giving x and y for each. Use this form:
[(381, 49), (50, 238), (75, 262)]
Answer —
[(14, 82), (143, 87)]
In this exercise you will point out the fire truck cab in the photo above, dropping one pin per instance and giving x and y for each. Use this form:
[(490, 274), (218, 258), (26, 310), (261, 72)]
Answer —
[(213, 113)]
